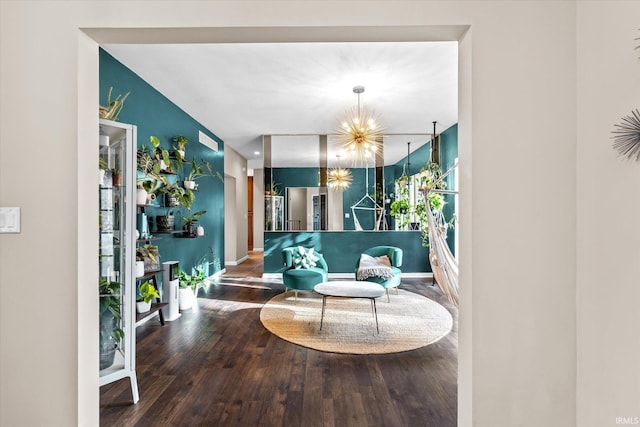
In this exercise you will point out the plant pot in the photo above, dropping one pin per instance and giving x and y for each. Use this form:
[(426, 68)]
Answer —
[(186, 298), (200, 231), (143, 307), (139, 268), (190, 230), (170, 201), (190, 185), (164, 222), (141, 196), (181, 152)]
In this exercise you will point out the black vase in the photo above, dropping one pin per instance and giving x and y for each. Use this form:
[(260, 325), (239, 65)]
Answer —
[(190, 230), (164, 222)]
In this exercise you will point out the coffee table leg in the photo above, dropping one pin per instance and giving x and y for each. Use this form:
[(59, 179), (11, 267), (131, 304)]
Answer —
[(375, 310), (324, 302)]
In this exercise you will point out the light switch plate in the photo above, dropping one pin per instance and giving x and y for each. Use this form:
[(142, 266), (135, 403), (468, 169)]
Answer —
[(9, 220)]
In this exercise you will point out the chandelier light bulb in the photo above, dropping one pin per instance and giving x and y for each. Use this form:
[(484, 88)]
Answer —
[(359, 133), (339, 179)]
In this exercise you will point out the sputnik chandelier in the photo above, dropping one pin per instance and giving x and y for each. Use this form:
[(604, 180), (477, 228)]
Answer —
[(339, 179), (359, 133)]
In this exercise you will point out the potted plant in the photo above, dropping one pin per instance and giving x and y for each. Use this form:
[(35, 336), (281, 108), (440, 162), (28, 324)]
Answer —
[(198, 170), (181, 140), (190, 220), (148, 293), (188, 285), (113, 108), (401, 207), (115, 176), (110, 314), (429, 178), (161, 155), (149, 255)]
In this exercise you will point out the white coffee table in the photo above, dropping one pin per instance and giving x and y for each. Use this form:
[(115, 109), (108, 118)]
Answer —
[(350, 289)]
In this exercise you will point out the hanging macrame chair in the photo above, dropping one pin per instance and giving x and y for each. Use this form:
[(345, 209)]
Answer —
[(443, 263)]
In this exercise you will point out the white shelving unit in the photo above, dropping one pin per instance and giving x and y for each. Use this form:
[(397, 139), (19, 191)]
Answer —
[(117, 253)]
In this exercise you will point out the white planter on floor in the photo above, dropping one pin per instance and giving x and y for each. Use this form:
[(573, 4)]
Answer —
[(186, 298)]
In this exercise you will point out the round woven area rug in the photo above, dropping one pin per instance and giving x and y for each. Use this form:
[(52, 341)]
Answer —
[(408, 322)]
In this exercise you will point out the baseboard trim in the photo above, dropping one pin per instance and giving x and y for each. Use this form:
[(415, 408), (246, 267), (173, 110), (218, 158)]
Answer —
[(257, 250), (240, 261)]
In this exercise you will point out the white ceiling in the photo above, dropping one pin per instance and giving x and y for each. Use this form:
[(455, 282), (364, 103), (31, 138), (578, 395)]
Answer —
[(243, 91)]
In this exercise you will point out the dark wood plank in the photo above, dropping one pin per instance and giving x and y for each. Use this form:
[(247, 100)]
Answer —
[(217, 365)]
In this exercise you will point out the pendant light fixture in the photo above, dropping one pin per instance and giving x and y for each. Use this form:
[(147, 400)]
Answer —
[(339, 178), (359, 132)]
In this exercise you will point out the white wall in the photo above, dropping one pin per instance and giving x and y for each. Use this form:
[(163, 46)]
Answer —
[(520, 173), (258, 209), (236, 211), (608, 292)]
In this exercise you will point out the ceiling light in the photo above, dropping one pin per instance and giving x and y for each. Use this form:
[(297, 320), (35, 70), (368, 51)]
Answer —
[(359, 133), (339, 179), (257, 153)]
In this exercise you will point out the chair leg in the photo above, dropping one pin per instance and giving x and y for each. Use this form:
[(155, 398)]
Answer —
[(397, 290), (388, 299), (295, 291)]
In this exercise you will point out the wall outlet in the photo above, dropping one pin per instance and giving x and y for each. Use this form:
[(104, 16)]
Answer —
[(346, 214), (9, 220)]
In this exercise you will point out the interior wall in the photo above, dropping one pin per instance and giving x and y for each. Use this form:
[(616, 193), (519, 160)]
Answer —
[(517, 352), (230, 225), (608, 197), (236, 166), (258, 209)]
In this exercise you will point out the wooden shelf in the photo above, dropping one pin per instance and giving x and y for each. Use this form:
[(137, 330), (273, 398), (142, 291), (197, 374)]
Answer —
[(141, 317), (148, 239), (148, 274)]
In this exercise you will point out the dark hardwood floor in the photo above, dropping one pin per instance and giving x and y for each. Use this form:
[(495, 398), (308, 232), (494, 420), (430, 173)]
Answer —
[(218, 366)]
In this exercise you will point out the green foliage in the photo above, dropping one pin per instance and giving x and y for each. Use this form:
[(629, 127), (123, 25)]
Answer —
[(148, 292), (181, 140), (199, 170), (401, 207), (190, 280), (192, 218), (110, 306), (102, 164), (113, 108), (184, 196), (149, 252)]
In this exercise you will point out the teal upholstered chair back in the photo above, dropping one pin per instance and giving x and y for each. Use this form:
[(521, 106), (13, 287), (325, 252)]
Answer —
[(303, 279), (394, 254), (288, 254)]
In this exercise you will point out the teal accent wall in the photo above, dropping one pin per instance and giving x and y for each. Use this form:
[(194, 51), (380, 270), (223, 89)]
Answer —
[(419, 160), (154, 114), (341, 249), (294, 177), (448, 155)]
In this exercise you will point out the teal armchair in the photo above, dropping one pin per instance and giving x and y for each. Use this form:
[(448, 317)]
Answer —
[(302, 279), (395, 256)]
